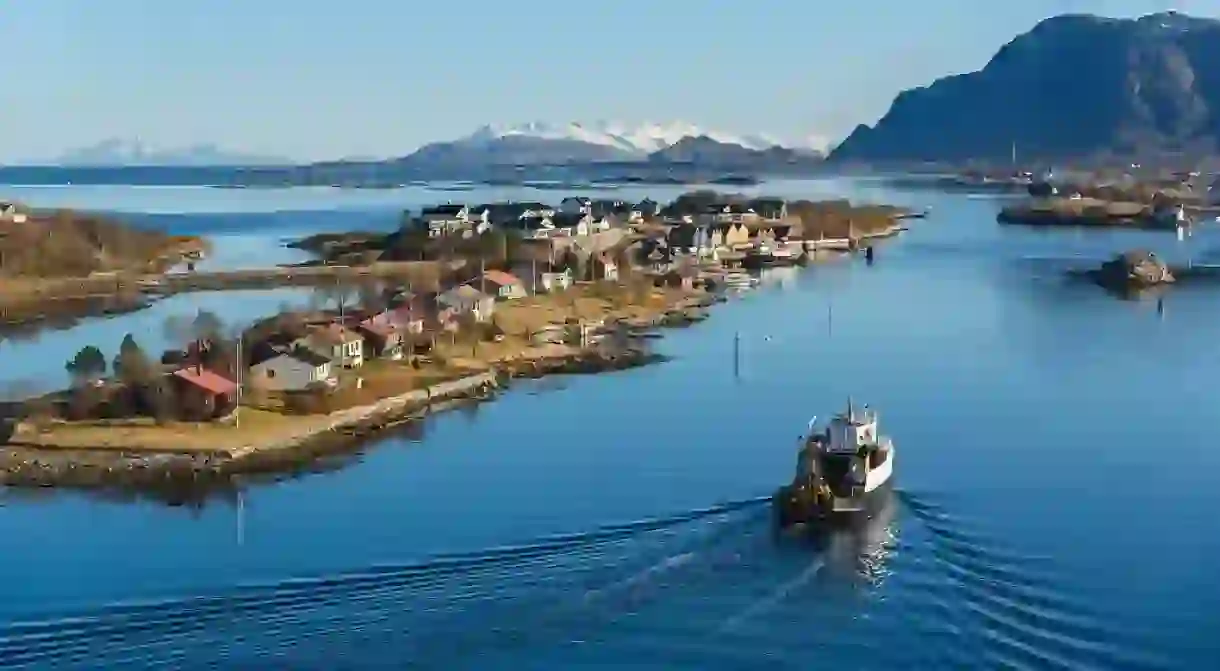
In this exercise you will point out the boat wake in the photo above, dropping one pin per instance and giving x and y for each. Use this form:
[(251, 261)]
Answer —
[(711, 588)]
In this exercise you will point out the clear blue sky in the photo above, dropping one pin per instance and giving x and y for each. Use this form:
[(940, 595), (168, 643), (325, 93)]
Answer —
[(312, 79)]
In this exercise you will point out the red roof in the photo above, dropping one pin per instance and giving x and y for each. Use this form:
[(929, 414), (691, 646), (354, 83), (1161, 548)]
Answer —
[(206, 380), (501, 278)]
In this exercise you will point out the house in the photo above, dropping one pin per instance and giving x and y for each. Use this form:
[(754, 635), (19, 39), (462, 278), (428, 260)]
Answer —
[(205, 393), (465, 299), (442, 219), (533, 227), (9, 213), (534, 208), (555, 280), (768, 208), (606, 207), (574, 205), (543, 278), (507, 214), (736, 236), (604, 268), (765, 231), (381, 337), (723, 213), (409, 315), (645, 209), (504, 286), (344, 347), (570, 224), (293, 370)]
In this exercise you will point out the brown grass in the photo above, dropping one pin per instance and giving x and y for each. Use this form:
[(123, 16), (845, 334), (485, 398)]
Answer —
[(263, 420), (144, 435), (64, 243)]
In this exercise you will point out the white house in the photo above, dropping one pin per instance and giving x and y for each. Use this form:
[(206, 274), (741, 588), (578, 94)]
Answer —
[(344, 347), (467, 299), (441, 219), (571, 224), (502, 285), (9, 213), (293, 370)]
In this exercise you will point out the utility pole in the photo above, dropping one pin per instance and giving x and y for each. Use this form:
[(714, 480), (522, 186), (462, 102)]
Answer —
[(241, 514), (240, 380), (737, 355)]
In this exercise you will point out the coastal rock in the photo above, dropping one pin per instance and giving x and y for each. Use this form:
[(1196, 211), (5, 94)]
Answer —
[(1136, 269), (1073, 86)]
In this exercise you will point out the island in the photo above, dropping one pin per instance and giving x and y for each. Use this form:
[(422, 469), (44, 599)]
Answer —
[(1133, 271), (61, 263), (517, 290)]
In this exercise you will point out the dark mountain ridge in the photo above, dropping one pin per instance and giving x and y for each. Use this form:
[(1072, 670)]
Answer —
[(1075, 86), (706, 151)]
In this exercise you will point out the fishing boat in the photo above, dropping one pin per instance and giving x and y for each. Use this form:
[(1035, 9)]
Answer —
[(844, 471)]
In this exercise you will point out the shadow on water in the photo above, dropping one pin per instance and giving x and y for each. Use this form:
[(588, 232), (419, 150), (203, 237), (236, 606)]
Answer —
[(709, 588)]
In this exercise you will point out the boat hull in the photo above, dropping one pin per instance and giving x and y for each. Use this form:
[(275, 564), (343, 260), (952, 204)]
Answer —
[(791, 509)]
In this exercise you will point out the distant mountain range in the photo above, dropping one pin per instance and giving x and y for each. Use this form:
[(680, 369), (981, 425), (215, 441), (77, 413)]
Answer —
[(637, 140), (541, 143), (1073, 87), (118, 152), (530, 144)]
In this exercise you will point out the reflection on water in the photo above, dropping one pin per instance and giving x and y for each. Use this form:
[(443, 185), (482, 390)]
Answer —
[(963, 332), (38, 355)]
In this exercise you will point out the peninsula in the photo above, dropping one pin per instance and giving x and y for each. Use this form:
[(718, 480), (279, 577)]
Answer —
[(61, 262), (530, 290)]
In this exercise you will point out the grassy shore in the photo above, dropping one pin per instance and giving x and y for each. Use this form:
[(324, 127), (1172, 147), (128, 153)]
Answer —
[(381, 390)]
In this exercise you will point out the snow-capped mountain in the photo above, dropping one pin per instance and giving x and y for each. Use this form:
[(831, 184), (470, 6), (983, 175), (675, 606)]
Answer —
[(641, 139)]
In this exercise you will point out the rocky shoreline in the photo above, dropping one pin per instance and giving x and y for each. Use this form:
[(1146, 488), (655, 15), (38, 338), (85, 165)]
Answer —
[(185, 478)]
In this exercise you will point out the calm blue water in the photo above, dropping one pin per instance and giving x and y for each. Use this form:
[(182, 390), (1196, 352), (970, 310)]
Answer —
[(1056, 471)]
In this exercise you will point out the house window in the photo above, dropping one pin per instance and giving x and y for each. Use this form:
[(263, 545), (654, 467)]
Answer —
[(270, 373)]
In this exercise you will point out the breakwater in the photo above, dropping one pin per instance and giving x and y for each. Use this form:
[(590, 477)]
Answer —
[(189, 476)]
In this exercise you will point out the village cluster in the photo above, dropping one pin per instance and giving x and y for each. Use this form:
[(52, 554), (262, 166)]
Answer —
[(699, 239)]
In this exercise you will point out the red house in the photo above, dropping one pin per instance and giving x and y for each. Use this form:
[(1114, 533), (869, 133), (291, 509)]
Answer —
[(203, 394)]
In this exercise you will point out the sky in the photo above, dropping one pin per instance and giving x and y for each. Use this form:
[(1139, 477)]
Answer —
[(320, 79)]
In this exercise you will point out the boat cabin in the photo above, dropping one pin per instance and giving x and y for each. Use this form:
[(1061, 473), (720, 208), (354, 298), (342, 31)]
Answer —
[(850, 431)]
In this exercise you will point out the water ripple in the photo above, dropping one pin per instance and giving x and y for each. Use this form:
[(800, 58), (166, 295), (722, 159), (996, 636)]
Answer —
[(919, 586)]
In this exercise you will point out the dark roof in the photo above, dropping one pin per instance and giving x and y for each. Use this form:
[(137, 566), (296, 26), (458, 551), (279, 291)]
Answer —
[(605, 207), (264, 351), (531, 223), (306, 355), (767, 206), (501, 213)]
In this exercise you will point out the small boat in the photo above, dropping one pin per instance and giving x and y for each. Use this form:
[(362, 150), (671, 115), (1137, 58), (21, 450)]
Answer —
[(844, 471)]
